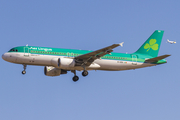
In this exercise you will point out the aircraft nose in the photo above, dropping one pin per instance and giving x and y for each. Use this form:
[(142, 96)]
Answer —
[(4, 56)]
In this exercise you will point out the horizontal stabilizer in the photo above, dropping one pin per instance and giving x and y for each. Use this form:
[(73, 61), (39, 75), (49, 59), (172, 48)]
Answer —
[(156, 58)]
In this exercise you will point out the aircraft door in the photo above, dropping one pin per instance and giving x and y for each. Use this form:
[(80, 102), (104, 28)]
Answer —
[(134, 59), (26, 51)]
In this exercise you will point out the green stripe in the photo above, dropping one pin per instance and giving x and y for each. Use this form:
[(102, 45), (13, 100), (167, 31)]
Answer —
[(74, 53)]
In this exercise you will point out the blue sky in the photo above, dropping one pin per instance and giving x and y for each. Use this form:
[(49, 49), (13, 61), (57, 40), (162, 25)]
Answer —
[(142, 94)]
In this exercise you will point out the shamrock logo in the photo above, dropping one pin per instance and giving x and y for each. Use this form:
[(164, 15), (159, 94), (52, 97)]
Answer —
[(152, 44)]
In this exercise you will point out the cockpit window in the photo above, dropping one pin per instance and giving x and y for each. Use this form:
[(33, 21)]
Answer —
[(13, 50), (10, 50)]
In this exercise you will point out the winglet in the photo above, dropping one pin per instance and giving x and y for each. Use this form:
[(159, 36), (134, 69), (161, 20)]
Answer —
[(121, 44)]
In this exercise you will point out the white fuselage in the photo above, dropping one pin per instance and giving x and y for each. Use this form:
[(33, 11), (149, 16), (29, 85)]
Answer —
[(171, 42), (46, 60)]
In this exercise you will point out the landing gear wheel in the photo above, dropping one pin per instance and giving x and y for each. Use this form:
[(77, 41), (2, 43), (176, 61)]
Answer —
[(75, 78), (23, 72), (84, 73)]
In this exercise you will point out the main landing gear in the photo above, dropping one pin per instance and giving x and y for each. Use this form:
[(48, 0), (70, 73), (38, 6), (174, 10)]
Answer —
[(85, 73), (24, 71), (76, 78)]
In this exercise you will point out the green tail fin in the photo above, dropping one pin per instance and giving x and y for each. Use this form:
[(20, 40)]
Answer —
[(152, 44)]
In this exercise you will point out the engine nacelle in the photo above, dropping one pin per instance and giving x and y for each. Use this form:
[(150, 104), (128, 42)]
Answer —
[(63, 63), (52, 71)]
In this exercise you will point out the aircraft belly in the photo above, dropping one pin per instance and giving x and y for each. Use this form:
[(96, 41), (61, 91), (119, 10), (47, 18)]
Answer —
[(115, 65), (42, 60), (110, 65)]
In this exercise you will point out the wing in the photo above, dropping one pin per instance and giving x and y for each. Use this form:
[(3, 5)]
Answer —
[(87, 59)]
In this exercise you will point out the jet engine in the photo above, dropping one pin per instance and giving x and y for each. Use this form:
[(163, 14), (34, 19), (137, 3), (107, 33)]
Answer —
[(63, 63), (52, 71)]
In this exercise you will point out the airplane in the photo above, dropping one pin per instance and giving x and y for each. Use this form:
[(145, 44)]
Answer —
[(58, 61), (172, 42)]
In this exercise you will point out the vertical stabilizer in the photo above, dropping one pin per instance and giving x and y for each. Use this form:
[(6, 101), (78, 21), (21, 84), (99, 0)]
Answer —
[(152, 44)]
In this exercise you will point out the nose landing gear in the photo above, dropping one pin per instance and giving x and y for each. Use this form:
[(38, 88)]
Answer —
[(24, 71)]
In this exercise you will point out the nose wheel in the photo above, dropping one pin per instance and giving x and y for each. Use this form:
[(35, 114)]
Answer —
[(24, 71)]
